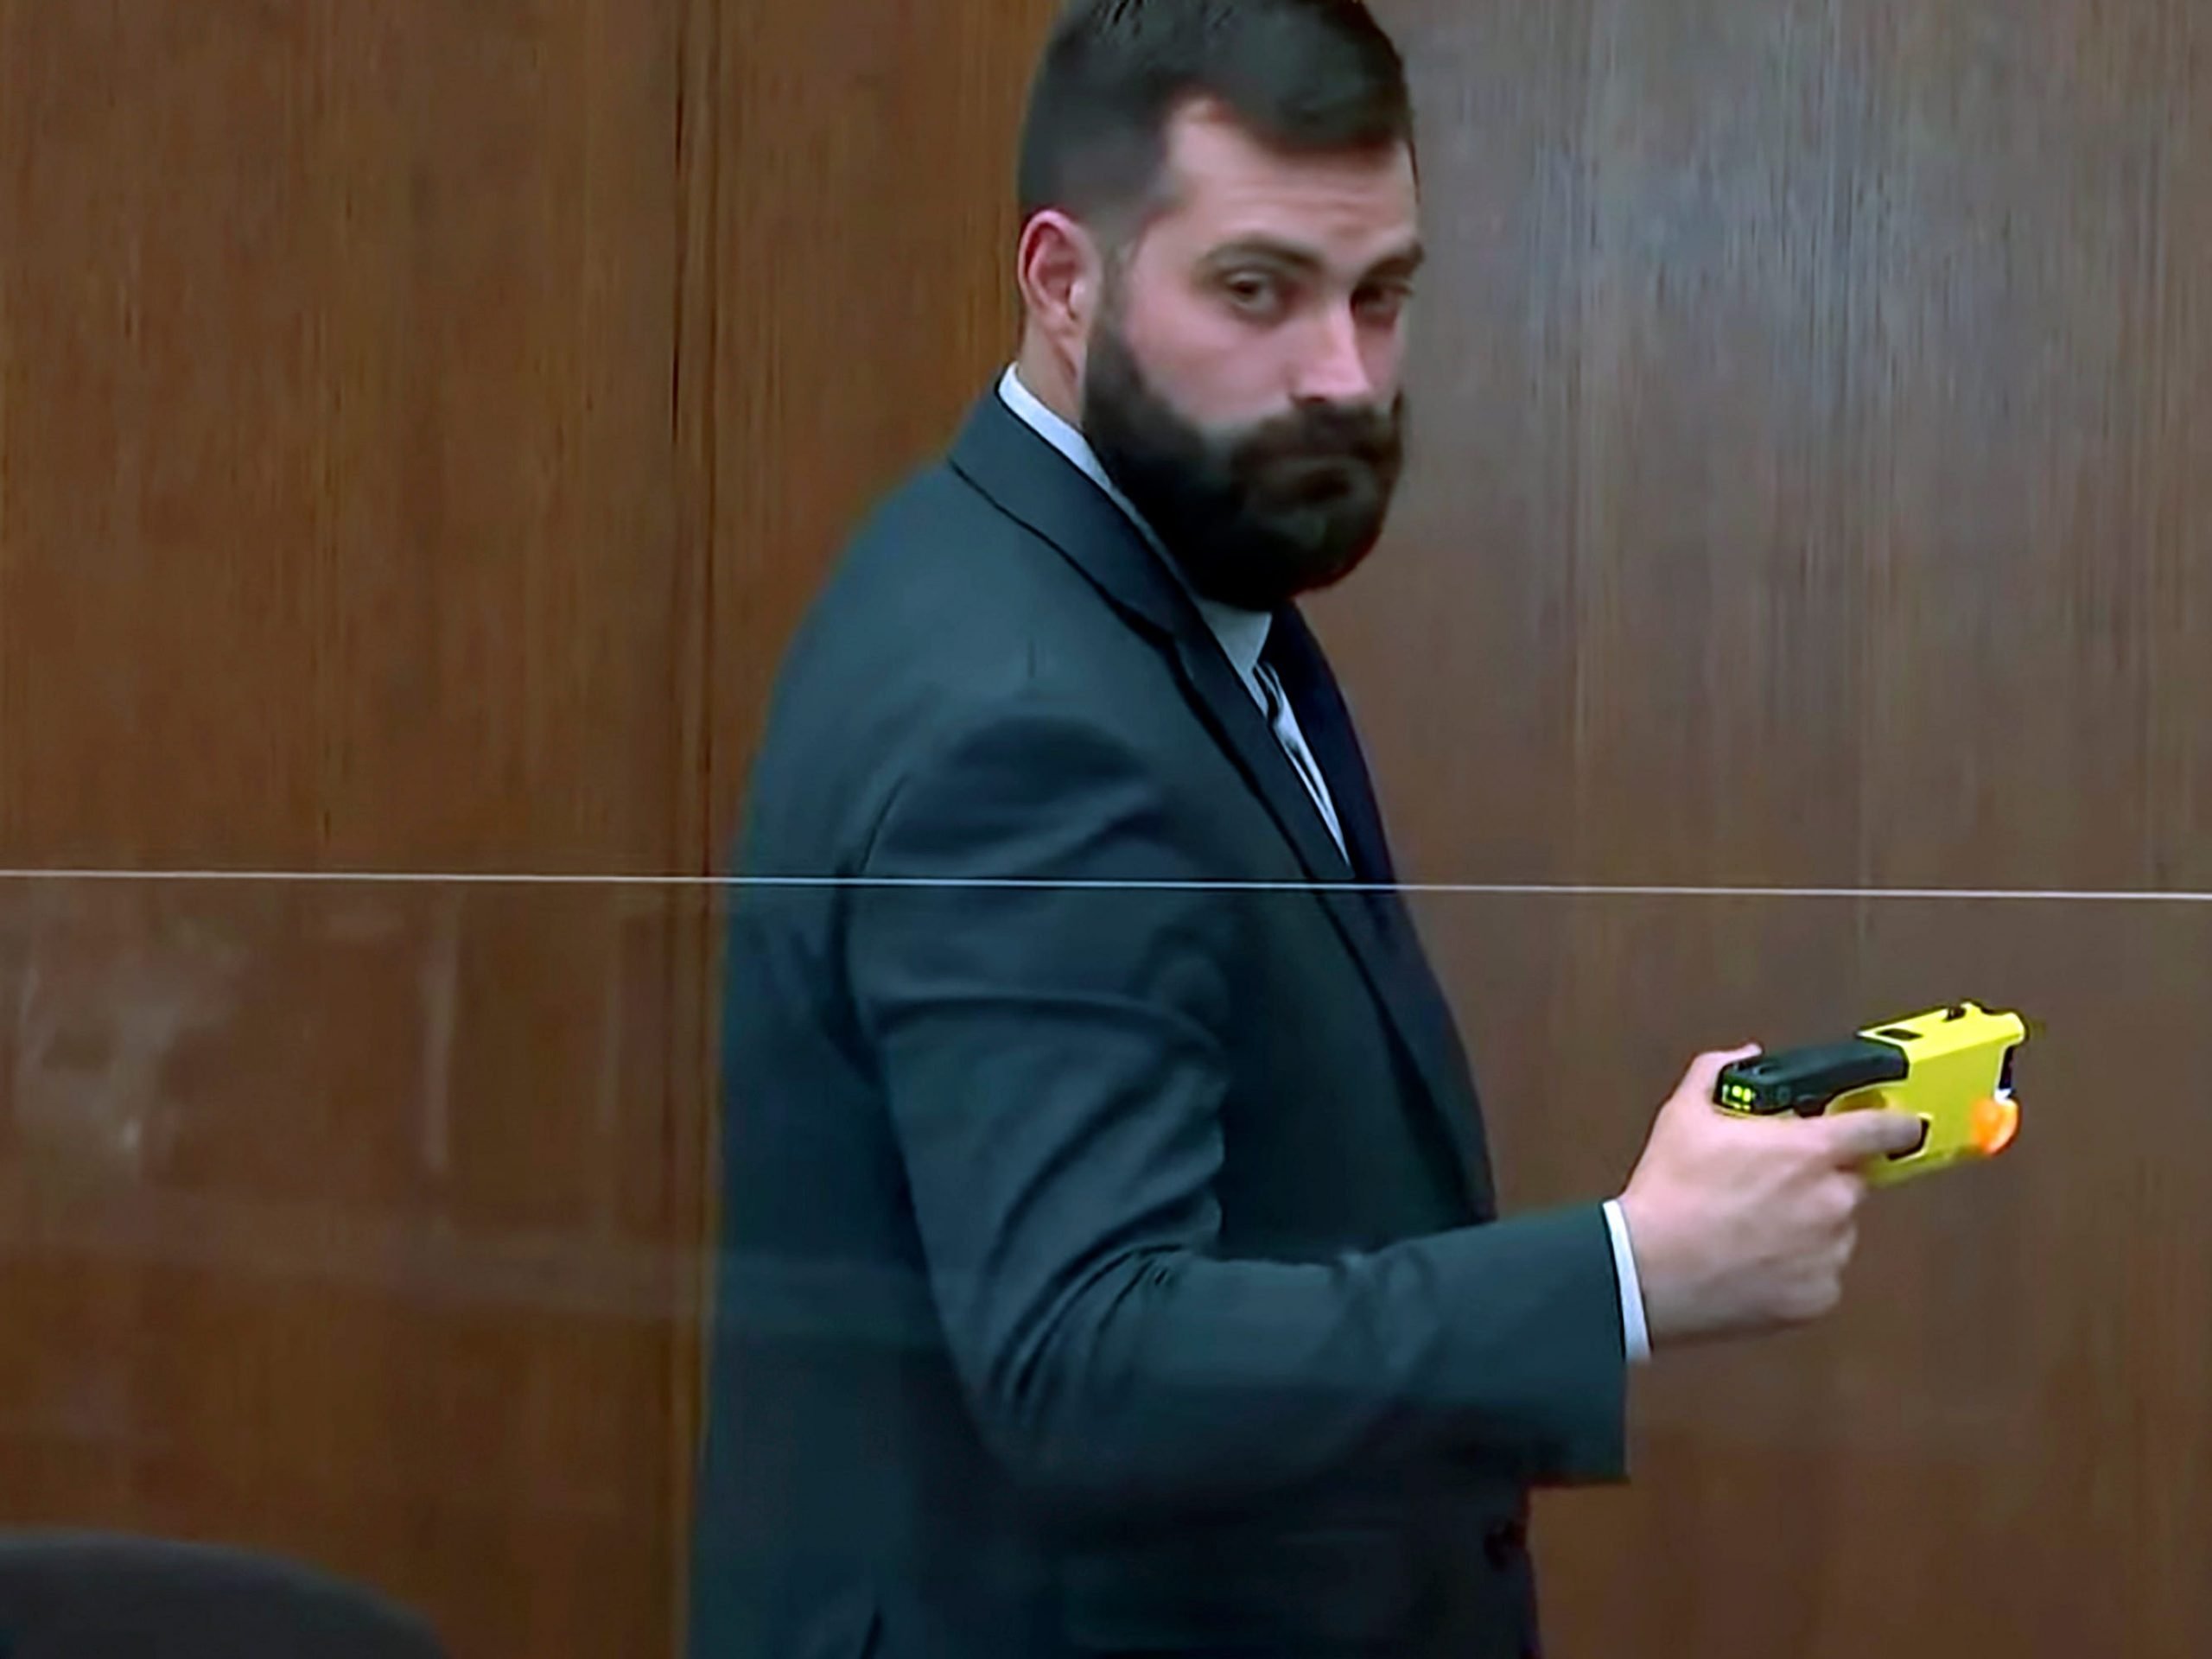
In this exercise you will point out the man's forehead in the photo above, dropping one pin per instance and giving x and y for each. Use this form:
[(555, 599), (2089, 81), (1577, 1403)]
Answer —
[(1231, 186)]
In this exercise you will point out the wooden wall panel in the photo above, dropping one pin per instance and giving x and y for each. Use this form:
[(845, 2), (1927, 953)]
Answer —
[(344, 525), (866, 227), (1995, 1447), (335, 1221), (1812, 433), (1812, 492), (339, 511)]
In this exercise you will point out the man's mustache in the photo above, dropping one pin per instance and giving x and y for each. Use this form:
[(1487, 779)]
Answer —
[(1326, 433)]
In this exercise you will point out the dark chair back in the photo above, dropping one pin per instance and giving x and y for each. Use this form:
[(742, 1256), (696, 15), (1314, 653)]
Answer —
[(98, 1596)]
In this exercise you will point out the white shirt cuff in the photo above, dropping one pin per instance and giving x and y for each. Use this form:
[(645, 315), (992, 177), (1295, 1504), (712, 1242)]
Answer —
[(1634, 1335)]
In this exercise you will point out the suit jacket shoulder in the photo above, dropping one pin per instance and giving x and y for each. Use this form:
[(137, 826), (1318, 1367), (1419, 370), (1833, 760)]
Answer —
[(946, 611)]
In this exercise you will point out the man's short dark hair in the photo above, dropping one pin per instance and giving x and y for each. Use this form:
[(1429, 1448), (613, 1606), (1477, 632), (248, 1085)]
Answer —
[(1306, 77)]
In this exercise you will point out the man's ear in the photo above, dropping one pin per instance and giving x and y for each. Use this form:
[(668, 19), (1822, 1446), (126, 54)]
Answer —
[(1060, 270)]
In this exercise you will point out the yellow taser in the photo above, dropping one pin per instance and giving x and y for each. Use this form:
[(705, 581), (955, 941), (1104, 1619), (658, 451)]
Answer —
[(1952, 1069)]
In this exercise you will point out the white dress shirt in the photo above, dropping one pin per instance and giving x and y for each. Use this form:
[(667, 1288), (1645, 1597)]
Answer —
[(1244, 636)]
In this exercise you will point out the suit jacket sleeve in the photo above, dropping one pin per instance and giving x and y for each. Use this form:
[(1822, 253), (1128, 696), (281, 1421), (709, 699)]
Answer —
[(1048, 1039)]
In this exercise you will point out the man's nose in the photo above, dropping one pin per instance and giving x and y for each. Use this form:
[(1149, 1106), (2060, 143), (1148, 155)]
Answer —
[(1333, 369)]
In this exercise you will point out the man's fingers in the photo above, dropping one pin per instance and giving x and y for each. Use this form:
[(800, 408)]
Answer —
[(1855, 1136)]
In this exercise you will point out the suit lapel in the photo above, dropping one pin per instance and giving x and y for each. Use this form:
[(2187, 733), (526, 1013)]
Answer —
[(1328, 723), (1373, 924), (1239, 727), (1001, 456)]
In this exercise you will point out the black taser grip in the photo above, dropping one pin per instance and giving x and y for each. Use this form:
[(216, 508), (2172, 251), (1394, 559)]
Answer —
[(1804, 1080)]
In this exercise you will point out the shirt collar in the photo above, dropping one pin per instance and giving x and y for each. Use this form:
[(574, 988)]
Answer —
[(1243, 634)]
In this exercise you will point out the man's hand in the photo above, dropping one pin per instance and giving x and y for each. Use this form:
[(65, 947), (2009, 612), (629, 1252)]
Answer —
[(1742, 1224)]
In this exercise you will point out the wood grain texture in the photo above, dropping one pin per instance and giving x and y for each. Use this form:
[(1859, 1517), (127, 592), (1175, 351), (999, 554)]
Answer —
[(348, 518), (338, 1221), (1995, 1448), (867, 235), (696, 919), (1814, 414), (339, 517), (1813, 429)]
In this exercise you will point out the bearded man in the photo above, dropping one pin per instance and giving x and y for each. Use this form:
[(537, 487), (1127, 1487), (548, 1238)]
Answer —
[(1112, 1262)]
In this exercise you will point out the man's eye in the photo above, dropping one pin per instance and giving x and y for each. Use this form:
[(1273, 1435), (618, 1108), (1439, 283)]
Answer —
[(1252, 291), (1382, 303)]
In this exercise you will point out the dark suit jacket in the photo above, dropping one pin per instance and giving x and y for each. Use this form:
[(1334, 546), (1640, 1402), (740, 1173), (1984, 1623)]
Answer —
[(1110, 1258)]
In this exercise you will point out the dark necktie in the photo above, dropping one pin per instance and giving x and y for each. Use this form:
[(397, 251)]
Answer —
[(1325, 723), (1295, 655)]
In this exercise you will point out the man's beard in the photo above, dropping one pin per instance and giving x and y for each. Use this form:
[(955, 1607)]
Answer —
[(1255, 516)]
